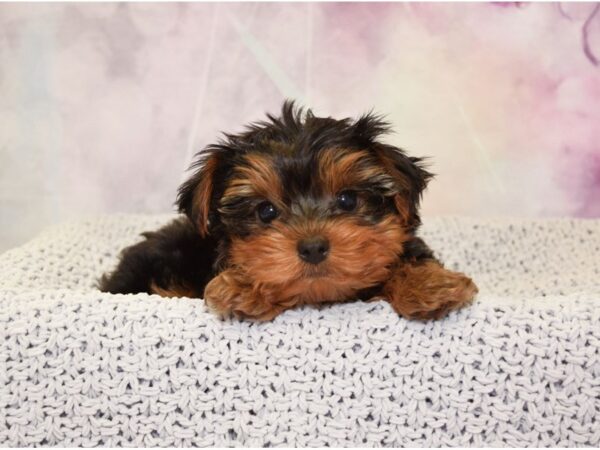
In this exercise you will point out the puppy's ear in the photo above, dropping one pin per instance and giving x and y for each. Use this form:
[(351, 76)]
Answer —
[(197, 197), (409, 173), (410, 179)]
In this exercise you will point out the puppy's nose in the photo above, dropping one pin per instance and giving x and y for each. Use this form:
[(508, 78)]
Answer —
[(314, 249)]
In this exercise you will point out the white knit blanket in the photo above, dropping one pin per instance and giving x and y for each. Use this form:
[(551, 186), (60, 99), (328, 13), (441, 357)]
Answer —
[(521, 367)]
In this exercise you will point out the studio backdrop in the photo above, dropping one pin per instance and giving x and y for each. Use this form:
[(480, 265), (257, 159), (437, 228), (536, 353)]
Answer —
[(103, 106)]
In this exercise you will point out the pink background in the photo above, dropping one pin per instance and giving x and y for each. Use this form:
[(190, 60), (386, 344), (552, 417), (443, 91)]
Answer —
[(103, 105)]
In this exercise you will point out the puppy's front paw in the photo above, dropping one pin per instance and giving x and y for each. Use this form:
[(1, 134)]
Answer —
[(428, 291), (229, 294)]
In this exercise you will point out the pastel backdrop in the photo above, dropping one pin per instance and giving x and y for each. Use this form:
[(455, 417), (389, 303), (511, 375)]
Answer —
[(102, 106)]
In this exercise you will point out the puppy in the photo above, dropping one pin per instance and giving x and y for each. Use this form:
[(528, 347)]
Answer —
[(297, 210)]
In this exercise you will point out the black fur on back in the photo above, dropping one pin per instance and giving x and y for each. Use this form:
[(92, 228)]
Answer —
[(173, 254)]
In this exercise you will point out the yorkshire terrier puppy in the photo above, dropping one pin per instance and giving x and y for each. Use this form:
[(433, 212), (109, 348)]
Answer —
[(297, 210)]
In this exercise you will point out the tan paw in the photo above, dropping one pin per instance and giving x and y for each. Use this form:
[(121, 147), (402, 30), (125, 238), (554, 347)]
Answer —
[(228, 294), (428, 291)]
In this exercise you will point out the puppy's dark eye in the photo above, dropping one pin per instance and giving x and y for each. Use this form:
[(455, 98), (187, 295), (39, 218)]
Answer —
[(346, 200), (267, 212)]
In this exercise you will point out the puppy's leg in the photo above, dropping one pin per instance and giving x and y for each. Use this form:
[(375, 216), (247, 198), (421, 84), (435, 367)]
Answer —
[(174, 261), (230, 293), (421, 288)]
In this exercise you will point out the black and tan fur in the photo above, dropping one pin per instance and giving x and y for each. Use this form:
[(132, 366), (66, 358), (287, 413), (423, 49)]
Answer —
[(307, 171)]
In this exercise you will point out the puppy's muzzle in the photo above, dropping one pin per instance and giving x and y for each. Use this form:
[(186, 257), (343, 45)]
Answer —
[(314, 249)]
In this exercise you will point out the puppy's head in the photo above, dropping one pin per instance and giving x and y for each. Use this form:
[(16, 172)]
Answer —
[(314, 207)]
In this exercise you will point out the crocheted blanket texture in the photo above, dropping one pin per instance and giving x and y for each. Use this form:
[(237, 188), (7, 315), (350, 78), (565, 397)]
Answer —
[(520, 367)]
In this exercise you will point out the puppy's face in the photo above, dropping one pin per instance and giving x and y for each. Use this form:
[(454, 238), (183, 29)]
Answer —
[(314, 208)]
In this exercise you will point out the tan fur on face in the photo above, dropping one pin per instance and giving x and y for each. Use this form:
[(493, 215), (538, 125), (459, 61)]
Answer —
[(341, 169), (257, 179), (359, 257)]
